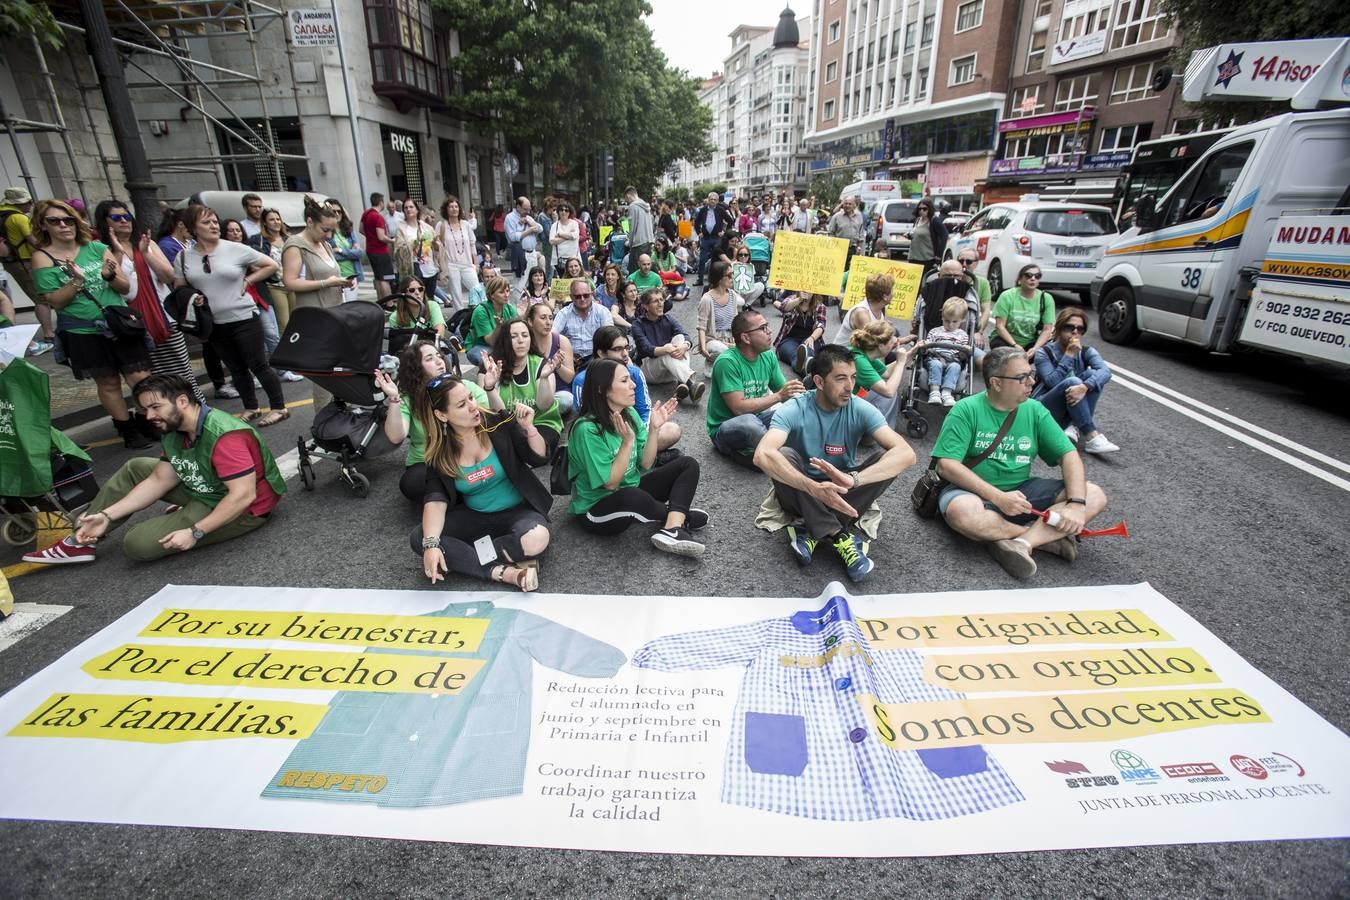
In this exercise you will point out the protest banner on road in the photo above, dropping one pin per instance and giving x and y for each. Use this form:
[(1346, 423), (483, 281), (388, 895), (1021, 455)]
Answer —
[(808, 262), (908, 279), (877, 725)]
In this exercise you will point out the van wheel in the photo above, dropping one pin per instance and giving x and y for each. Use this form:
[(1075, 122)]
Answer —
[(1117, 320), (995, 278)]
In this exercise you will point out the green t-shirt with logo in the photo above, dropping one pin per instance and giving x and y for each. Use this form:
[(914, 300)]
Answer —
[(971, 425), (417, 438), (645, 282), (49, 278), (1024, 318), (732, 372), (590, 453)]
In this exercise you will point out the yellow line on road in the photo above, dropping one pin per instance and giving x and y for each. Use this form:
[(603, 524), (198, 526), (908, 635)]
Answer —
[(22, 568)]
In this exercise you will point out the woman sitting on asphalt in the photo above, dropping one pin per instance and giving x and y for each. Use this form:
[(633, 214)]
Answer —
[(609, 462), (414, 311), (716, 308), (479, 483), (523, 378), (609, 287), (549, 344), (802, 328), (877, 382), (1024, 316), (1070, 378), (627, 309), (488, 316), (536, 289), (418, 364)]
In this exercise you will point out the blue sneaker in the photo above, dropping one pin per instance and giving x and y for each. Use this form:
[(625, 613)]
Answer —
[(852, 549), (40, 346), (803, 545)]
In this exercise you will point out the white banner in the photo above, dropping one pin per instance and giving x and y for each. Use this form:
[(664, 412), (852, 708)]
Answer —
[(312, 27), (1306, 72), (842, 726)]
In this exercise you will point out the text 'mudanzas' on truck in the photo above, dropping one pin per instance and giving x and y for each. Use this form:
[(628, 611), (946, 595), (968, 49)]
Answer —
[(1252, 244)]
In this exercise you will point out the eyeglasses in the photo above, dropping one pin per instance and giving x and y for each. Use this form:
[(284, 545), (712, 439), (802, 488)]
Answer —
[(1076, 329), (68, 221), (206, 263), (579, 296), (1020, 379), (618, 348), (118, 217), (1036, 275), (764, 328)]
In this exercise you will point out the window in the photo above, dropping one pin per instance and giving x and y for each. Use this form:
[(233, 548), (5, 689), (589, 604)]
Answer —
[(881, 48), (1123, 137), (1043, 7), (1137, 22), (923, 84), (928, 24), (895, 43), (1036, 52), (831, 71), (905, 91), (890, 92), (829, 110), (1202, 192), (848, 66), (1131, 83), (870, 48), (1026, 101), (867, 99), (404, 53), (1070, 222), (1082, 17), (1075, 93), (970, 15), (963, 71), (910, 31), (834, 31)]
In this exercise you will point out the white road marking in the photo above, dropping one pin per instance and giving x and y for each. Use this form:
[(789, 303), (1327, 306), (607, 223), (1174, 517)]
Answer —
[(288, 464), (1265, 448), (1228, 417), (26, 619)]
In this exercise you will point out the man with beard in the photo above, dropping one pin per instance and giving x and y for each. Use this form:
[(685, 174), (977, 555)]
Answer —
[(218, 476)]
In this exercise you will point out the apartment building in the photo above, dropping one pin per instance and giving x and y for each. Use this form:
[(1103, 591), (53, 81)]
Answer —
[(1081, 96), (910, 89)]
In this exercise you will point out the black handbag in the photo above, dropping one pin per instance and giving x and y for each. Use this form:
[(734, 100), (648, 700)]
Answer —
[(558, 482), (930, 485), (123, 322)]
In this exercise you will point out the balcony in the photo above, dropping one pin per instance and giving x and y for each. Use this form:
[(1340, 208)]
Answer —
[(408, 54)]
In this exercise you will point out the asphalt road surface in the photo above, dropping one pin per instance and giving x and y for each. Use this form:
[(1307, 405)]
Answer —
[(1244, 531)]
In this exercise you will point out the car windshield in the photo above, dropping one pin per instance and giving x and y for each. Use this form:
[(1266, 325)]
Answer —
[(900, 212), (1071, 222)]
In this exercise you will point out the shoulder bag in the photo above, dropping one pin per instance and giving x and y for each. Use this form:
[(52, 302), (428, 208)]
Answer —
[(930, 485), (558, 482), (123, 322)]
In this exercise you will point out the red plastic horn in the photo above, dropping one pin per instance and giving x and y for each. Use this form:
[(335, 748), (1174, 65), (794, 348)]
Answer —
[(1116, 530)]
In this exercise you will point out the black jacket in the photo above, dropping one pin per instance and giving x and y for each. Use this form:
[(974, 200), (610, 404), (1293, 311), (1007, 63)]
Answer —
[(721, 223), (517, 460)]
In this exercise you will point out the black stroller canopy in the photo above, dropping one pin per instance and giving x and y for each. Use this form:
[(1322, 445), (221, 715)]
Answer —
[(344, 338)]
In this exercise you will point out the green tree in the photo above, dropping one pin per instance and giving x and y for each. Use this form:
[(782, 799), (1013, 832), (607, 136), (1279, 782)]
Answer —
[(17, 17), (826, 188)]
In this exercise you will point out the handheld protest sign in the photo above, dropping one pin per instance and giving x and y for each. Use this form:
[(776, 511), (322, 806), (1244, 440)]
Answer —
[(908, 278), (560, 291), (808, 262)]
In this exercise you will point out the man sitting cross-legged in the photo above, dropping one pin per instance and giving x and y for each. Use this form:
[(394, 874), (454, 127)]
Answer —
[(994, 501), (811, 453), (746, 384)]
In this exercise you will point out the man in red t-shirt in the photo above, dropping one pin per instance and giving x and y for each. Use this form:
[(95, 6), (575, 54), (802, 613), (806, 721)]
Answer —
[(377, 246)]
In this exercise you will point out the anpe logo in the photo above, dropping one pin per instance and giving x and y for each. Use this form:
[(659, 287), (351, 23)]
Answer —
[(1191, 770), (1248, 766), (1133, 769)]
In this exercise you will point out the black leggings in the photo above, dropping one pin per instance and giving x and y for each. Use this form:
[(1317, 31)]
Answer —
[(414, 481), (240, 345), (463, 526), (665, 489)]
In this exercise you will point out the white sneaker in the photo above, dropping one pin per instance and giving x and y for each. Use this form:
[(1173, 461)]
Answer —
[(934, 396), (1100, 444), (1072, 433), (227, 392), (948, 399), (290, 376)]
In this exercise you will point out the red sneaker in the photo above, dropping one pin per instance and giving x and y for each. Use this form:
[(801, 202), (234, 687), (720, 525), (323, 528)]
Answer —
[(62, 553)]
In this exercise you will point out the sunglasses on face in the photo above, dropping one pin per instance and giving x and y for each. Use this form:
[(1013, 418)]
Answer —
[(1036, 275), (1076, 329), (580, 296), (969, 262), (119, 217), (68, 221)]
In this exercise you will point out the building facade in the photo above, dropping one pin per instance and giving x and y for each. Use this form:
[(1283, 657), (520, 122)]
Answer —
[(1081, 96), (910, 90)]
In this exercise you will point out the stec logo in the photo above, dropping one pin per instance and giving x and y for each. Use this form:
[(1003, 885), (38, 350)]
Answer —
[(1087, 779), (1133, 769)]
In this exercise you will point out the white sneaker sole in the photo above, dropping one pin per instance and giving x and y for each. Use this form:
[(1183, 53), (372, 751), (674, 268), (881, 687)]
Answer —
[(57, 560), (692, 549)]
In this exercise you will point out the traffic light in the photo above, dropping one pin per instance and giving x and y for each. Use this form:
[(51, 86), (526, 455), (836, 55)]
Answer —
[(731, 161)]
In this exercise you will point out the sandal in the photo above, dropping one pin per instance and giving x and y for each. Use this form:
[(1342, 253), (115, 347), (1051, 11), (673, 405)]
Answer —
[(526, 579), (273, 417), (249, 415)]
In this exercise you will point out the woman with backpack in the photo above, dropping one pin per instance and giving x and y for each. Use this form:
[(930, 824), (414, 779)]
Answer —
[(1024, 316)]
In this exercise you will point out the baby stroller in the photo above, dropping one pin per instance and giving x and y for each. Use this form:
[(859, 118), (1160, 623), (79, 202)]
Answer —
[(338, 348), (761, 253), (43, 474), (928, 315)]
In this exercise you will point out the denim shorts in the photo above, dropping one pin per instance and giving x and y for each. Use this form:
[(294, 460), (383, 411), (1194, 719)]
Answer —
[(1040, 493)]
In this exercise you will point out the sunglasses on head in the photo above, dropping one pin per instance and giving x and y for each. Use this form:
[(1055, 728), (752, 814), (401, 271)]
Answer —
[(446, 380)]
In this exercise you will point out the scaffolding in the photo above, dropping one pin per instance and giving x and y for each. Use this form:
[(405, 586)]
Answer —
[(150, 33)]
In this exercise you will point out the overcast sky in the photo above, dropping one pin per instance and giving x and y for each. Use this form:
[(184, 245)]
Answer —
[(693, 33)]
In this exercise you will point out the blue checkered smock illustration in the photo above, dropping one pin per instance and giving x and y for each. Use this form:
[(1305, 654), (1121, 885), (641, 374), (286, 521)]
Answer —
[(440, 749), (799, 744)]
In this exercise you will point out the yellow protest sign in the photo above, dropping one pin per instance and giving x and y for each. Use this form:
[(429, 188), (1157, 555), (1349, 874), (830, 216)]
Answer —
[(685, 229), (605, 232), (412, 632), (560, 291), (808, 262), (908, 279)]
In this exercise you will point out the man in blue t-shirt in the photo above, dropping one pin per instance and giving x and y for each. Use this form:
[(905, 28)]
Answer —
[(811, 454)]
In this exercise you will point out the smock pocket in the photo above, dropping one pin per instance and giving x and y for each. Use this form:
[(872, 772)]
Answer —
[(492, 714), (352, 714), (775, 744), (953, 762)]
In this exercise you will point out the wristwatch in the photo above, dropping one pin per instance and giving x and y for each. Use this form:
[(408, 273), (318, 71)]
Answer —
[(197, 533), (1079, 500), (431, 543)]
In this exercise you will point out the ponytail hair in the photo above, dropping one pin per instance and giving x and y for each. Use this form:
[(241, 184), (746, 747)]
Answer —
[(317, 212)]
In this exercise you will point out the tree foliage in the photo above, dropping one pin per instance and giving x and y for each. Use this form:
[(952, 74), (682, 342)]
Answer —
[(575, 77), (826, 188), (17, 17)]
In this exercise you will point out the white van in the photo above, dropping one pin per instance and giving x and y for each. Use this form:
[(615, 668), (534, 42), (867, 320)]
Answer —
[(1187, 267), (230, 204), (867, 193)]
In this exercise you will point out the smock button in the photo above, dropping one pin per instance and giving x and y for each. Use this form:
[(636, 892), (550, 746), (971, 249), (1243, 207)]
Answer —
[(831, 641), (843, 684), (857, 735)]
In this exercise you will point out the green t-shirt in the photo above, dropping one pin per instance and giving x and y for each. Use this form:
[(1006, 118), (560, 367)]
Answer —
[(346, 267), (417, 438), (983, 290), (971, 424), (1024, 318), (652, 280), (732, 372), (663, 263), (89, 260), (590, 453), (484, 321), (526, 393), (868, 371), (485, 487), (434, 317)]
